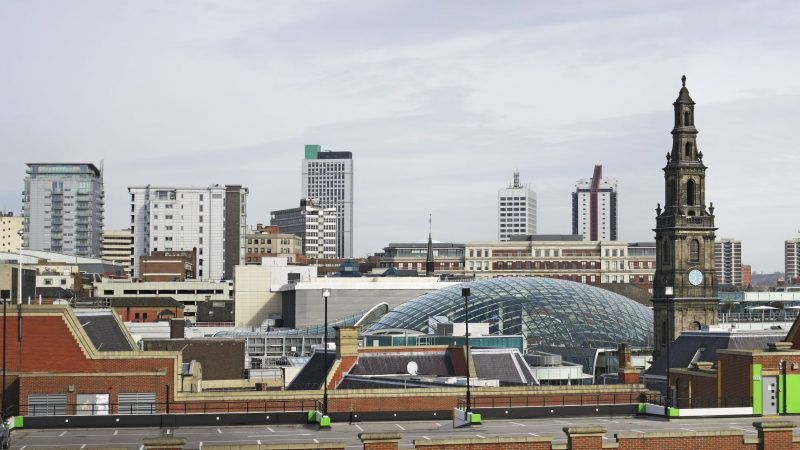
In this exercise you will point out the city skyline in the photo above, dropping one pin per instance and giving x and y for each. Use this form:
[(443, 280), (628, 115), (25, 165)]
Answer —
[(446, 141)]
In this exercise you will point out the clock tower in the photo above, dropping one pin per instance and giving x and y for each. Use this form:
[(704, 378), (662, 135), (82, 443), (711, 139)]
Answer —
[(685, 284)]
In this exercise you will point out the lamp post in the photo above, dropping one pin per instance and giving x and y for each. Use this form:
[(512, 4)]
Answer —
[(325, 294), (465, 293)]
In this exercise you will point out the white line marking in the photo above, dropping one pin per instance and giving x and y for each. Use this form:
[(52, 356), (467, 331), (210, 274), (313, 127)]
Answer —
[(142, 447), (424, 437), (257, 442), (517, 424), (316, 441), (167, 428), (62, 433), (270, 429), (744, 429), (438, 424), (115, 431), (357, 425), (480, 436), (83, 446), (219, 431), (23, 447), (689, 429), (400, 426), (637, 431), (563, 421), (533, 434)]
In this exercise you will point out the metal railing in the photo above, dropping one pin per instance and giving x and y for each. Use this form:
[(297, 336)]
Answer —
[(578, 399), (700, 402), (253, 406)]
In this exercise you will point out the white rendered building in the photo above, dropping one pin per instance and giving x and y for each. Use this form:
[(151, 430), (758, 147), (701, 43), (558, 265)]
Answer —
[(328, 176), (516, 210), (791, 257), (594, 207), (10, 225), (210, 219), (728, 261), (117, 246)]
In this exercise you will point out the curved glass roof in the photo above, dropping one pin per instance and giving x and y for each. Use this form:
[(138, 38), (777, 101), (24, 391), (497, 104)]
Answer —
[(546, 311)]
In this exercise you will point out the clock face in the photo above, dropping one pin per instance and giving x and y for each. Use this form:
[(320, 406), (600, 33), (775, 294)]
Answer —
[(695, 277)]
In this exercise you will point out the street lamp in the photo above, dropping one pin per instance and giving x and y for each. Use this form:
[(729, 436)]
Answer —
[(325, 294), (465, 293)]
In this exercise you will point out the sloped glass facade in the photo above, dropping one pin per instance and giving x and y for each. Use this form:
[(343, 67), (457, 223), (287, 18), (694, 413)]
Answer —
[(547, 311)]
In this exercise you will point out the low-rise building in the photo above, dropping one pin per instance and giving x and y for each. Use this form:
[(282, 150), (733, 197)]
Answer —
[(448, 257), (171, 265), (137, 309), (191, 293), (269, 241), (9, 282), (117, 246), (10, 227), (567, 257)]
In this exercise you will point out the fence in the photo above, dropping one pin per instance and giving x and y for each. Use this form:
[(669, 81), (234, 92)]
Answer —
[(89, 409), (699, 402), (578, 399)]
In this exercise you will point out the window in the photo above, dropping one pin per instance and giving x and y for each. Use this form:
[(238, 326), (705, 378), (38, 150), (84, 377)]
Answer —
[(694, 251), (690, 193), (687, 118), (688, 151)]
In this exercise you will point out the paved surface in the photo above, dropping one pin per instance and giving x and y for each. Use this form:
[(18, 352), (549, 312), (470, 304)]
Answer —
[(196, 437)]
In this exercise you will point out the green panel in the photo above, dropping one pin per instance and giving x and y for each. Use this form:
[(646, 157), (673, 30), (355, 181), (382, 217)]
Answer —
[(792, 390), (312, 151), (311, 417), (756, 386), (673, 412), (325, 421), (642, 408), (18, 421), (474, 418)]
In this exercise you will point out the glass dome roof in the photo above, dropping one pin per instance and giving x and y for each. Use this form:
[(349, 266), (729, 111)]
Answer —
[(547, 311)]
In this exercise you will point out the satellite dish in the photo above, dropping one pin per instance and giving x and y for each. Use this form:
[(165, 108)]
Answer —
[(412, 368)]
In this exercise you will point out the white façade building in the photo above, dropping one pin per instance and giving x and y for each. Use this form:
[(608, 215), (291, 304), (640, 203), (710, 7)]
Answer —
[(516, 210), (211, 219)]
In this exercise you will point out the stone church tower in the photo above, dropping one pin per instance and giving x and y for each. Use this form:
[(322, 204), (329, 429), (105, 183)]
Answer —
[(685, 284)]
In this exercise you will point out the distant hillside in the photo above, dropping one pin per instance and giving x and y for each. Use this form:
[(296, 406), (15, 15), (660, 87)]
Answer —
[(766, 279)]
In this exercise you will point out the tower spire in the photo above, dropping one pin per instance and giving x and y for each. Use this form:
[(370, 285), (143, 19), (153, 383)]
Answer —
[(429, 257)]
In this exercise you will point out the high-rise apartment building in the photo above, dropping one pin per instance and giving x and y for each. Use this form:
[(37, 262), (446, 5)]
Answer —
[(10, 225), (516, 210), (328, 176), (791, 259), (212, 219), (62, 208), (316, 225), (728, 262), (594, 207), (117, 246)]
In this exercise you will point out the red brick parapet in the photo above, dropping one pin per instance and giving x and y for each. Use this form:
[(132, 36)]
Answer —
[(380, 441)]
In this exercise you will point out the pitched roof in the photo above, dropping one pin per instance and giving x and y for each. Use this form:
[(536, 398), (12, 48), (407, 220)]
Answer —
[(104, 330), (311, 375)]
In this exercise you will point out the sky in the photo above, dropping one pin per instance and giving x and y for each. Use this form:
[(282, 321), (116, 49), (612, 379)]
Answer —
[(439, 102)]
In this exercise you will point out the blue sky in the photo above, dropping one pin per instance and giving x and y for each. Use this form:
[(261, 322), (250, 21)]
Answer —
[(438, 101)]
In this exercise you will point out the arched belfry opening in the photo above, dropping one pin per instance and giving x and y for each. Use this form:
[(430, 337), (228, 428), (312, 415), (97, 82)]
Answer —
[(690, 193)]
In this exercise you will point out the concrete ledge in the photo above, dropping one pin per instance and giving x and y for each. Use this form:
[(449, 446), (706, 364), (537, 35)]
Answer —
[(774, 425), (379, 437), (482, 441), (674, 434), (164, 442), (585, 431), (326, 445)]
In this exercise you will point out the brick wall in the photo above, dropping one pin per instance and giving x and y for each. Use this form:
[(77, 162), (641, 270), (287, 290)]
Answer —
[(141, 314)]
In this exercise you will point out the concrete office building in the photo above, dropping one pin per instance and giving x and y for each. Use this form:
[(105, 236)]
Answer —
[(212, 220), (791, 259), (117, 246), (62, 208), (10, 225), (317, 226), (728, 262), (195, 295), (516, 210), (594, 207), (328, 176)]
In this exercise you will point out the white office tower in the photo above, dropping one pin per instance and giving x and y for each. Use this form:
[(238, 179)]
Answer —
[(791, 257), (118, 247), (212, 219), (62, 208), (728, 261), (328, 176), (594, 207), (319, 241), (516, 210)]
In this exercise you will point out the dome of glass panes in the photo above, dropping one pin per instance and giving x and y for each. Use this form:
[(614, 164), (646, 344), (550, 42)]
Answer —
[(547, 311)]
